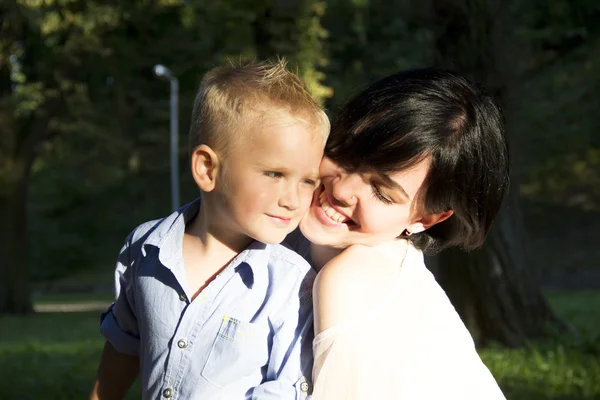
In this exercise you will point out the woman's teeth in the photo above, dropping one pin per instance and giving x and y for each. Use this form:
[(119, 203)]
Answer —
[(330, 211)]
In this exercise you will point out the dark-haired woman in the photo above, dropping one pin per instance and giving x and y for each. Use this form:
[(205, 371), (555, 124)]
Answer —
[(417, 162)]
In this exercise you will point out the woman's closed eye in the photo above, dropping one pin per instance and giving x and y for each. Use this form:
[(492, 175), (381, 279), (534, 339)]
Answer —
[(379, 196)]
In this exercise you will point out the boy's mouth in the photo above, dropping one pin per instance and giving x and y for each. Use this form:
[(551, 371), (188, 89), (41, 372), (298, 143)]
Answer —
[(280, 220)]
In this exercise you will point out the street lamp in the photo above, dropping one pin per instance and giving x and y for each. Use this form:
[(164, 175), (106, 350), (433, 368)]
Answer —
[(165, 73)]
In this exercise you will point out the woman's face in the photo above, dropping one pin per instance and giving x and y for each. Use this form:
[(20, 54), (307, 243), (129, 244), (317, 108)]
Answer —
[(365, 208)]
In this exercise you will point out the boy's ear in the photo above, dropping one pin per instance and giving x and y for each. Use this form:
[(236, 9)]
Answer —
[(205, 166), (428, 220)]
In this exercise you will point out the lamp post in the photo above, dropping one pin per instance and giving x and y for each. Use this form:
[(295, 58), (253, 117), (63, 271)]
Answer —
[(165, 73)]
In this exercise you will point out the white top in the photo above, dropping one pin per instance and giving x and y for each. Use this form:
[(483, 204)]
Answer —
[(414, 346)]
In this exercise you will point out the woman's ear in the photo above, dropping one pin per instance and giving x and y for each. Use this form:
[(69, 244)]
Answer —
[(205, 167), (428, 220)]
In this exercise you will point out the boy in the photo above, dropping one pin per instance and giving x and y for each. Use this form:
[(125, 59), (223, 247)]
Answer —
[(208, 304)]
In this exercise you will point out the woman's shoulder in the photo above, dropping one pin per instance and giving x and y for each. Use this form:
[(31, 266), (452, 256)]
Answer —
[(353, 260), (351, 284), (359, 265)]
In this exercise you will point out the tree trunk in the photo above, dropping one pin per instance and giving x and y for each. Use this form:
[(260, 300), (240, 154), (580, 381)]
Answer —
[(15, 296), (495, 289)]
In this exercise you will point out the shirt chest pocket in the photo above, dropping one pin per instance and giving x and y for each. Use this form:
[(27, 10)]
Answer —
[(240, 349)]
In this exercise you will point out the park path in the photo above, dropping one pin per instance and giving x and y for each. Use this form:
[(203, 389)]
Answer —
[(81, 306)]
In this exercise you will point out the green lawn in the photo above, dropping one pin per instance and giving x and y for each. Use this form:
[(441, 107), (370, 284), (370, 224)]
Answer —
[(50, 356), (563, 367), (55, 355)]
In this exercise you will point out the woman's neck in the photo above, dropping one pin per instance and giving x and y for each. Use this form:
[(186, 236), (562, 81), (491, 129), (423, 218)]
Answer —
[(320, 255)]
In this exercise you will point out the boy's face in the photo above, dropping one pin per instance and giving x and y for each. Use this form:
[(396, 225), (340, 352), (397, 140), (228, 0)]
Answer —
[(270, 173)]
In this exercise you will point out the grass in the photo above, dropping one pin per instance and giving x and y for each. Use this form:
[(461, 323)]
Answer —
[(50, 355), (55, 355), (562, 367), (581, 309)]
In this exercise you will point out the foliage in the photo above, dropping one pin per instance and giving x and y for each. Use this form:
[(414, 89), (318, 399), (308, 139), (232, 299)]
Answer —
[(86, 67), (366, 42), (555, 28), (569, 179), (76, 85), (557, 114)]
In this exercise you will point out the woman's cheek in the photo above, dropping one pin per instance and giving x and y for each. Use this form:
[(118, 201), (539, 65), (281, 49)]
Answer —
[(384, 220)]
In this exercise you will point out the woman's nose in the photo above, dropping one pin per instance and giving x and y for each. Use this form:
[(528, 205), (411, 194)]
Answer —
[(344, 189)]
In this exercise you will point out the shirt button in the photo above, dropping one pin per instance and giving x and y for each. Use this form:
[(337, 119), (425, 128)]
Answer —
[(182, 343), (182, 297), (304, 387), (167, 393)]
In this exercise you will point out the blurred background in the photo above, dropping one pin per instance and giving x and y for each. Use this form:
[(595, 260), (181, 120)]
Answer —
[(84, 158)]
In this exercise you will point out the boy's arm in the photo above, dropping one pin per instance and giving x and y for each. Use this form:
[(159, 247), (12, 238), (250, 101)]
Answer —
[(116, 374), (119, 364), (291, 360)]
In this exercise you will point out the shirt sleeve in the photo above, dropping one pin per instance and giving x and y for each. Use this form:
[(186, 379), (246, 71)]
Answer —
[(119, 323), (291, 359)]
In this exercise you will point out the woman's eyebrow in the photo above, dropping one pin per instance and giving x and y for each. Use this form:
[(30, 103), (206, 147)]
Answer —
[(392, 184)]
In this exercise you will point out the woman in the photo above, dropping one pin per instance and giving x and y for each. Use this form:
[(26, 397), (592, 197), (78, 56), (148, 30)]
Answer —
[(415, 163)]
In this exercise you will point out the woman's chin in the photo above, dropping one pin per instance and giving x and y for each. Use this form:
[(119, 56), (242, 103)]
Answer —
[(314, 231), (308, 229)]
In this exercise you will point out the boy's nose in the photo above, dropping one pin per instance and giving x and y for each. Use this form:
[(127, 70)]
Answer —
[(290, 199)]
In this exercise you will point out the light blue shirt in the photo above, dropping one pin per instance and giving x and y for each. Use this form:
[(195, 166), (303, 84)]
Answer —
[(247, 335)]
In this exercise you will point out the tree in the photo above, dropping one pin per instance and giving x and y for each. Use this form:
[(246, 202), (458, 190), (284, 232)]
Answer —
[(41, 48), (496, 290), (367, 42), (293, 29), (55, 60), (67, 65)]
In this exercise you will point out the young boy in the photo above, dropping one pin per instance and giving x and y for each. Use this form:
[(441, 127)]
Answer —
[(208, 304)]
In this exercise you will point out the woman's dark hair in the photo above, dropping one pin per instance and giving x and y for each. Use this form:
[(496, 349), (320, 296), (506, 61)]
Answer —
[(404, 118)]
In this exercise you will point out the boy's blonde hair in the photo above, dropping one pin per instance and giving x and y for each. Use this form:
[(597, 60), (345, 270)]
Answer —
[(233, 97)]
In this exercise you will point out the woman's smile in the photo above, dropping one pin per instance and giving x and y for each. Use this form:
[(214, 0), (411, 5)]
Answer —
[(332, 212)]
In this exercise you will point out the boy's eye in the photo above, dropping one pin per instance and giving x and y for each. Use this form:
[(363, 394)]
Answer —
[(310, 182), (379, 196), (273, 174)]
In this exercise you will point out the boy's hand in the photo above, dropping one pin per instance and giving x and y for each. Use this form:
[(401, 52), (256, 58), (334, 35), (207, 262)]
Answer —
[(116, 374)]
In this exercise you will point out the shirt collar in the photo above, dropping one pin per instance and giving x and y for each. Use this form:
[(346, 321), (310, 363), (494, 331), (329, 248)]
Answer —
[(173, 223), (168, 238)]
